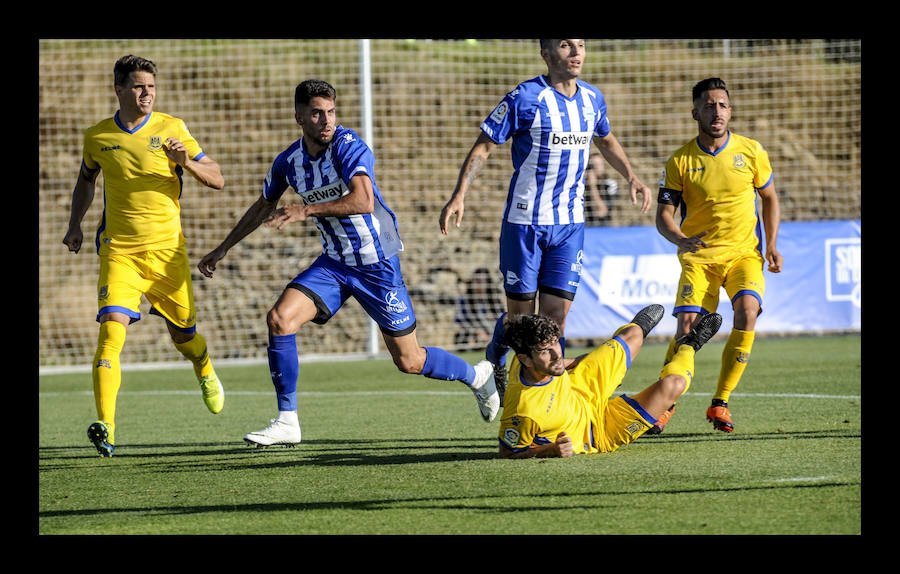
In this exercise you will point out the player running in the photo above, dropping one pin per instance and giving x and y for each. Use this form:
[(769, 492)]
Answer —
[(333, 172), (143, 155)]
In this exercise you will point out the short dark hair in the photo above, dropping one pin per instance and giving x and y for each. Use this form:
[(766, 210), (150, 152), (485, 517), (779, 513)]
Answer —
[(706, 85), (309, 89), (127, 64), (525, 332)]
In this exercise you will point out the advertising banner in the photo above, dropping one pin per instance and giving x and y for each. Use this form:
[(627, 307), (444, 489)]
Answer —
[(625, 269)]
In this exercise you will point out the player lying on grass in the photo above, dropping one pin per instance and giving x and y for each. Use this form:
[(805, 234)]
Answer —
[(558, 407)]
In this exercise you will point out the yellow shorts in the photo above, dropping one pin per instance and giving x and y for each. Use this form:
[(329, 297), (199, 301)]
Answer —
[(614, 422), (163, 276), (700, 283)]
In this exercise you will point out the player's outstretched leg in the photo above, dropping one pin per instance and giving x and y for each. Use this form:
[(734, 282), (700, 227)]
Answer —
[(648, 318), (485, 391), (700, 334), (284, 367)]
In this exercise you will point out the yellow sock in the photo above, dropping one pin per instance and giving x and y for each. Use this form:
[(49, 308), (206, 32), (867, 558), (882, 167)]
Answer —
[(670, 352), (682, 363), (106, 372), (195, 352), (734, 360)]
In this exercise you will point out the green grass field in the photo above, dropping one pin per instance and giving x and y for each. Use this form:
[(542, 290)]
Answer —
[(387, 453)]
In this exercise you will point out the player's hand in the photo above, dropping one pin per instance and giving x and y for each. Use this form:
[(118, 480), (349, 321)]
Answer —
[(455, 206), (564, 444), (691, 244), (636, 187), (175, 150), (286, 214), (775, 260), (73, 240), (207, 265)]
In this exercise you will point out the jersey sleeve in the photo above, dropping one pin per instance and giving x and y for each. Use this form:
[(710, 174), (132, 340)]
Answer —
[(88, 161), (763, 174), (353, 157), (670, 184), (190, 142), (505, 119), (518, 433), (276, 181)]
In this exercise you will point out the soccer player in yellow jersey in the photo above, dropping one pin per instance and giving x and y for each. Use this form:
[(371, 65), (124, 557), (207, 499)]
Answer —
[(559, 407), (714, 181), (143, 155)]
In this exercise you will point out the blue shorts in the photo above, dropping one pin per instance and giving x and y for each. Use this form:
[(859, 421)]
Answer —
[(541, 257), (379, 288)]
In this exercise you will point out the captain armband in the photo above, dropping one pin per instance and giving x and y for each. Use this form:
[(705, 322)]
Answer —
[(668, 196)]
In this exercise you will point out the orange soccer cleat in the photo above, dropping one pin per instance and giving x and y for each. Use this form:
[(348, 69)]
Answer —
[(719, 415), (662, 421)]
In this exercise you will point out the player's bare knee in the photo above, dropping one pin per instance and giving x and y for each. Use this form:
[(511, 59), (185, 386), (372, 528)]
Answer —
[(673, 386), (278, 323), (408, 364)]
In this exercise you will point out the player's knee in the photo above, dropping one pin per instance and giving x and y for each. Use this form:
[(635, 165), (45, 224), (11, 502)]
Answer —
[(279, 323), (409, 364), (673, 386)]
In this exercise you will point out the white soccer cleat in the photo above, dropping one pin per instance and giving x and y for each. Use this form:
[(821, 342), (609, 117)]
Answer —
[(485, 391), (278, 432)]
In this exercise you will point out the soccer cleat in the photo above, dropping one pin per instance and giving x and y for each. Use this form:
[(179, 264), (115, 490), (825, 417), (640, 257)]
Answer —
[(719, 415), (278, 432), (648, 317), (703, 331), (485, 391), (500, 380), (213, 393), (98, 433), (662, 421)]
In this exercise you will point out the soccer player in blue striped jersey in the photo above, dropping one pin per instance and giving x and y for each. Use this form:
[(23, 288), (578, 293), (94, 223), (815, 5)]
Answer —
[(333, 171), (552, 120)]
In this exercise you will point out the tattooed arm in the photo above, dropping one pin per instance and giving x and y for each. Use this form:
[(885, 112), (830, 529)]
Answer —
[(470, 169)]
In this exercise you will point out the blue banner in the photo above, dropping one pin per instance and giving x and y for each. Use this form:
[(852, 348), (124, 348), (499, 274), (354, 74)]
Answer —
[(818, 289)]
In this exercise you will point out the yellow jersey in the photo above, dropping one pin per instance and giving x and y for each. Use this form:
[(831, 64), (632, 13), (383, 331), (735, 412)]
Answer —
[(142, 187), (716, 193), (578, 402)]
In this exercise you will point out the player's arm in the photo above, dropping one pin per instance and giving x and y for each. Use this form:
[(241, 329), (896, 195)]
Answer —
[(361, 199), (258, 212), (82, 197), (771, 211), (561, 448), (612, 152), (470, 169), (669, 228), (204, 170)]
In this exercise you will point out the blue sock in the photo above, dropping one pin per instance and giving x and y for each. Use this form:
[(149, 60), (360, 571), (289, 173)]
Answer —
[(285, 368), (439, 364), (497, 348)]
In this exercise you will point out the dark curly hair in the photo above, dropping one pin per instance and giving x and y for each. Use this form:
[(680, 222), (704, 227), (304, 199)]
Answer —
[(525, 332), (706, 85)]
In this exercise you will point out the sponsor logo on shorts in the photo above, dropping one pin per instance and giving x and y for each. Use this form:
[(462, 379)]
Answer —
[(636, 427), (687, 290), (394, 304), (511, 278)]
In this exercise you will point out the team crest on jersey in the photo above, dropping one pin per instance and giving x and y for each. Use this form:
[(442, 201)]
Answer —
[(500, 112), (511, 437), (739, 161), (394, 304), (155, 143)]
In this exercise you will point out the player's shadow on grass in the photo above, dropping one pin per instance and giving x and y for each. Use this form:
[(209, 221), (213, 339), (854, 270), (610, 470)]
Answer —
[(668, 438)]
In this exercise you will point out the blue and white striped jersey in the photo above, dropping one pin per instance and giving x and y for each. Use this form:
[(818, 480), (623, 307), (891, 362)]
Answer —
[(354, 240), (551, 142)]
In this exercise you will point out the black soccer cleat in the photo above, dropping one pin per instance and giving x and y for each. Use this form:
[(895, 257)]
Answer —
[(648, 317), (703, 331)]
